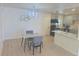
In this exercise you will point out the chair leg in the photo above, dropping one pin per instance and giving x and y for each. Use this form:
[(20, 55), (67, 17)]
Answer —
[(40, 48), (28, 43), (33, 50), (24, 45), (22, 41), (42, 44)]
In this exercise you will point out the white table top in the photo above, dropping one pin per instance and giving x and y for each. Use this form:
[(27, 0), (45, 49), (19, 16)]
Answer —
[(31, 35)]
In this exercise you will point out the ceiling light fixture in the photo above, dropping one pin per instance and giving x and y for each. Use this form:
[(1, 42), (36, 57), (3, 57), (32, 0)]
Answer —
[(61, 12), (73, 9), (30, 14)]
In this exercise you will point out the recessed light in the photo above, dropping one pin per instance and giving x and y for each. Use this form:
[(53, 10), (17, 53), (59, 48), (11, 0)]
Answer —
[(61, 12), (73, 9)]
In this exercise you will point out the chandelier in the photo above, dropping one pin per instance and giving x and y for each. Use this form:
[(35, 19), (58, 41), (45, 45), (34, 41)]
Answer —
[(30, 14)]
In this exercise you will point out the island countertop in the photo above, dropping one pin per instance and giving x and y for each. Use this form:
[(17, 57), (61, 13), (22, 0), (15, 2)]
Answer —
[(66, 34)]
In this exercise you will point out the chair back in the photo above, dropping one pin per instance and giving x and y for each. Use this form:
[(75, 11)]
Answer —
[(29, 32), (37, 40)]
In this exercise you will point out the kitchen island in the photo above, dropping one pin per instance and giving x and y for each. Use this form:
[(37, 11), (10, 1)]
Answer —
[(68, 41)]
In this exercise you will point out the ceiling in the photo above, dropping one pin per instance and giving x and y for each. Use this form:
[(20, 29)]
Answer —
[(48, 7)]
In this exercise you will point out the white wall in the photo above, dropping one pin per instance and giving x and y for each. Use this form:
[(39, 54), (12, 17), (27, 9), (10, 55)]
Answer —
[(68, 20), (0, 31), (12, 26)]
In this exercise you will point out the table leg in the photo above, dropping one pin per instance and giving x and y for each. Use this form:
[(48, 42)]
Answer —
[(24, 45), (22, 41)]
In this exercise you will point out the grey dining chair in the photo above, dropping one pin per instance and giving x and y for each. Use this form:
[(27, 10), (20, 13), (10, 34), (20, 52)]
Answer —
[(28, 40), (37, 42)]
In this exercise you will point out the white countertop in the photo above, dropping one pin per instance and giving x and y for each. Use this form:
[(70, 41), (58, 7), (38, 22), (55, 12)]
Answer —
[(56, 31), (31, 35)]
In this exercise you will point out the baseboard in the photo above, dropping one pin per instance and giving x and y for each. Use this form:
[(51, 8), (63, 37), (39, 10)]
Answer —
[(0, 52), (1, 46)]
